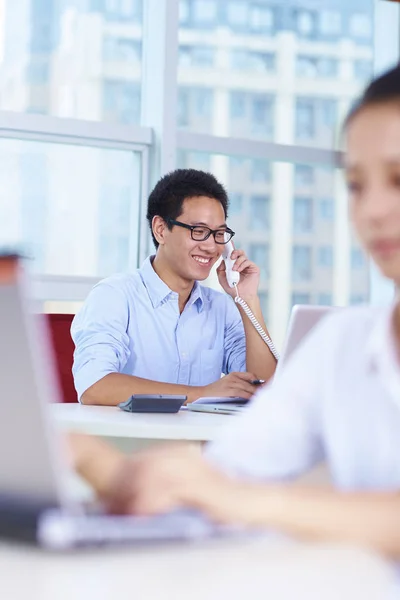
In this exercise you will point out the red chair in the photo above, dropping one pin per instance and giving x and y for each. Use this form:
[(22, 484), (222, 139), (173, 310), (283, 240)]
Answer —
[(64, 347)]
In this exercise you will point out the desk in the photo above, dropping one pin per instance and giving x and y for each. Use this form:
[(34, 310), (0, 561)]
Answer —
[(253, 569), (134, 431)]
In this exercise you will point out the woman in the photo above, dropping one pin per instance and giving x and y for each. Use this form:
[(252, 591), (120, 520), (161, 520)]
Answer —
[(338, 399)]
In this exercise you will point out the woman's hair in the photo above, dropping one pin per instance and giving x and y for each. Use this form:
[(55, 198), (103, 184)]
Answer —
[(381, 90)]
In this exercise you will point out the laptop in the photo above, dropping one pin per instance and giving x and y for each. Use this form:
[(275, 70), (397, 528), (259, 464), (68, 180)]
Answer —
[(35, 503), (302, 319)]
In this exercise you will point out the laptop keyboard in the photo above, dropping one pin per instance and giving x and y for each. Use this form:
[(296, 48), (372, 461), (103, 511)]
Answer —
[(58, 530)]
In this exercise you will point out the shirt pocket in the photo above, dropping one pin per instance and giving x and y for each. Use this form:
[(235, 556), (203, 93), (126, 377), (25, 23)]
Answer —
[(211, 362)]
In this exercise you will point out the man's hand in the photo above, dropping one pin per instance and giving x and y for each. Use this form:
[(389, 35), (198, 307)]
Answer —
[(249, 275), (234, 384)]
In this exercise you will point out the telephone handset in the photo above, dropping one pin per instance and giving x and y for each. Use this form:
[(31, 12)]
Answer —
[(233, 278)]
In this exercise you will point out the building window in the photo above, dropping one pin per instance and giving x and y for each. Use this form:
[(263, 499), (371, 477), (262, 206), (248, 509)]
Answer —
[(358, 260), (259, 254), (305, 23), (204, 12), (242, 59), (326, 209), (324, 299), (260, 170), (303, 175), (261, 116), (363, 69), (330, 23), (197, 56), (261, 18), (358, 299), (122, 49), (300, 298), (235, 204), (313, 67), (302, 215), (301, 263), (237, 105), (325, 256), (237, 13), (305, 119), (361, 26), (259, 213), (264, 302), (183, 12), (121, 101)]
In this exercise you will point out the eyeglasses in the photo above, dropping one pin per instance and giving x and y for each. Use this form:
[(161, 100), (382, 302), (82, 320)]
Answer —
[(200, 233)]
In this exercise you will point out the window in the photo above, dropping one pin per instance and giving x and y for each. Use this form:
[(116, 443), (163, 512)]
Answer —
[(363, 69), (306, 23), (260, 170), (121, 101), (38, 73), (193, 160), (324, 299), (300, 298), (330, 23), (311, 66), (183, 108), (183, 11), (264, 302), (204, 12), (305, 119), (259, 213), (326, 209), (242, 59), (303, 175), (204, 102), (358, 299), (302, 215), (261, 18), (237, 13), (235, 204), (93, 194), (358, 259), (199, 56), (301, 263), (361, 26), (262, 118), (122, 49), (259, 253), (325, 256), (237, 105)]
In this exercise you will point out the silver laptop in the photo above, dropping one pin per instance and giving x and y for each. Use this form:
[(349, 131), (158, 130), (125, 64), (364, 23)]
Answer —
[(35, 504), (302, 320)]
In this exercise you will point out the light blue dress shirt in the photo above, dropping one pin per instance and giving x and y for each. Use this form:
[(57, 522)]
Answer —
[(130, 323)]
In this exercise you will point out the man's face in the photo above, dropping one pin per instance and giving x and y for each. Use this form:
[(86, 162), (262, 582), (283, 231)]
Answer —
[(188, 258), (373, 177)]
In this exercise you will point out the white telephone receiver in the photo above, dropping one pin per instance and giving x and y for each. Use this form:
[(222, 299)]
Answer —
[(233, 278)]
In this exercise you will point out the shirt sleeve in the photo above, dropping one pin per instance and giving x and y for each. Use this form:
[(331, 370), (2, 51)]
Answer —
[(279, 435), (99, 332), (234, 340)]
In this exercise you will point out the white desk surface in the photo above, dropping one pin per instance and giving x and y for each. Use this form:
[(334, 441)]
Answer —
[(252, 569), (113, 422)]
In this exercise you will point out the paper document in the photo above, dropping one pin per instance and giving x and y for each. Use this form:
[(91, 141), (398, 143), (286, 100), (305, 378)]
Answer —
[(220, 400)]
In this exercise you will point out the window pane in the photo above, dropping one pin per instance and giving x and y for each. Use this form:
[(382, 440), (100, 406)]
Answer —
[(268, 60), (73, 59), (72, 209), (291, 223)]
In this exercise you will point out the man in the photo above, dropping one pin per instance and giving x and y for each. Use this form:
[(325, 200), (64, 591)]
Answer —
[(157, 330)]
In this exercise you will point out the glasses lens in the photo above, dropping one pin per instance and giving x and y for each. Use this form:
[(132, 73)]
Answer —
[(200, 233), (223, 237)]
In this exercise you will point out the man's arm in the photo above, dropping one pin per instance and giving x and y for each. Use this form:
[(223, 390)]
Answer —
[(117, 387), (259, 358)]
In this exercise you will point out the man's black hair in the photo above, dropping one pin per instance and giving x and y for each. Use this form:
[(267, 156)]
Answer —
[(167, 197), (383, 89)]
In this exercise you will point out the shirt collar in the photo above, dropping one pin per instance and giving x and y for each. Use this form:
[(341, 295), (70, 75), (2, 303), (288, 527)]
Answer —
[(158, 290)]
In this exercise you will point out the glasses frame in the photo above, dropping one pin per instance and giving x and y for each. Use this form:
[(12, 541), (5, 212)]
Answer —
[(210, 231)]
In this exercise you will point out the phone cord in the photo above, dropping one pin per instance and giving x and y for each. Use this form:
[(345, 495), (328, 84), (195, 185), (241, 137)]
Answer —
[(256, 324)]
